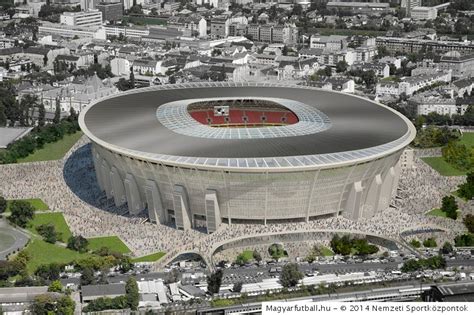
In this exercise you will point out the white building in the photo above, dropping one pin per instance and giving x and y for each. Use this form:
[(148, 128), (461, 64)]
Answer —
[(410, 85), (120, 66), (424, 13), (85, 19)]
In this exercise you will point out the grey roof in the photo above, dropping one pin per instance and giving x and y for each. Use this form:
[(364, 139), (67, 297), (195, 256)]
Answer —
[(8, 135), (20, 294), (360, 129), (113, 289), (456, 288)]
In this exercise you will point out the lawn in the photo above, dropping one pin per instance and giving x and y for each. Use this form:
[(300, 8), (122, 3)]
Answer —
[(149, 258), (437, 213), (111, 242), (53, 151), (37, 204), (42, 253), (442, 167), (467, 139), (57, 219), (326, 251)]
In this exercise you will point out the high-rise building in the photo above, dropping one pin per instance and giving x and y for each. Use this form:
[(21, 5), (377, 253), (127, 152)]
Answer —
[(111, 11), (86, 18)]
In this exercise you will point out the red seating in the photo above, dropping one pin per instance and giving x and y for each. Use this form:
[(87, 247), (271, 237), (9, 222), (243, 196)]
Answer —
[(245, 117)]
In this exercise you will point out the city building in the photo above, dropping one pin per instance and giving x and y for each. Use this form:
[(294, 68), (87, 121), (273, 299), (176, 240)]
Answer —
[(424, 13), (414, 45), (462, 66), (83, 19), (206, 173), (111, 11)]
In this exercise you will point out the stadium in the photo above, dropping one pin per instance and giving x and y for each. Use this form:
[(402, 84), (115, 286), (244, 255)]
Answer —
[(196, 155)]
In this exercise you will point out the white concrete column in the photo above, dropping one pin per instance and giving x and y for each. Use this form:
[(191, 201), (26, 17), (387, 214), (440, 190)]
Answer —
[(353, 207), (182, 212), (387, 188), (156, 211), (134, 200), (117, 185), (373, 197), (213, 213), (105, 168), (97, 166)]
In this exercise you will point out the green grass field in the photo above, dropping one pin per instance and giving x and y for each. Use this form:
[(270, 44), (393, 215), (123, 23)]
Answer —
[(45, 253), (326, 251), (437, 213), (442, 167), (37, 204), (113, 243), (467, 139), (149, 258), (57, 219), (54, 150)]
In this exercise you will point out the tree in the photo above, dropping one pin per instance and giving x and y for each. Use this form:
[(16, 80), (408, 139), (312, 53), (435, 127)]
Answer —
[(78, 243), (87, 276), (49, 272), (450, 207), (237, 287), (21, 213), (214, 281), (446, 249), (369, 78), (276, 251), (48, 232), (57, 112), (466, 190), (415, 243), (72, 114), (3, 204), (256, 255), (341, 66), (41, 115), (290, 275), (430, 242), (48, 303), (131, 78), (133, 297), (172, 80), (469, 222), (3, 116), (55, 286)]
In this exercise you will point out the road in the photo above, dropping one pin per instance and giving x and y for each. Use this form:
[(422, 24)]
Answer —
[(257, 273)]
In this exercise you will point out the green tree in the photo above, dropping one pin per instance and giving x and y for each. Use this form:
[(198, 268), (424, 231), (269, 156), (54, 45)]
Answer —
[(21, 213), (446, 249), (48, 232), (55, 286), (3, 204), (3, 116), (290, 275), (48, 272), (131, 78), (415, 243), (45, 304), (450, 207), (87, 276), (133, 297), (430, 242), (256, 255), (468, 222), (276, 251), (214, 281), (78, 243), (466, 190)]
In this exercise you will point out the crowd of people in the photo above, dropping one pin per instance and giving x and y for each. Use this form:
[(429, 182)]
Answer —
[(69, 185)]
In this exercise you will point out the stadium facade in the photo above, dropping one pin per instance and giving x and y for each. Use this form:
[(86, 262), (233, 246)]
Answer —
[(200, 154)]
